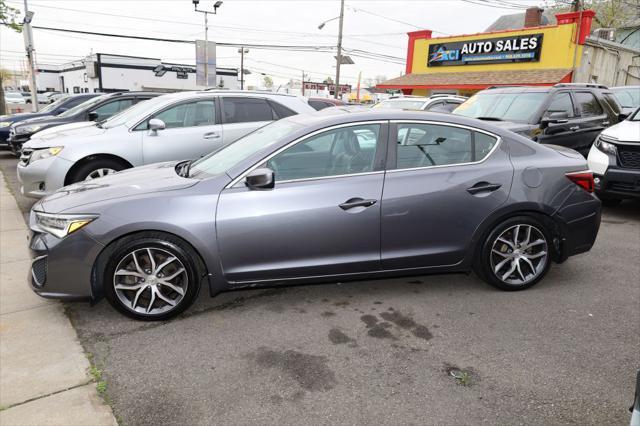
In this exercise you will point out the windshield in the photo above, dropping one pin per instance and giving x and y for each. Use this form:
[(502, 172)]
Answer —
[(404, 104), (628, 97), (83, 106), (635, 116), (220, 161), (516, 107), (53, 105), (125, 115)]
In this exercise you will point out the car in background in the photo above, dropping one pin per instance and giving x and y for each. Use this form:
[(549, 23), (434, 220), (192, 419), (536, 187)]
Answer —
[(14, 98), (615, 161), (26, 96), (566, 114), (177, 126), (435, 103), (301, 201), (96, 109), (628, 97), (56, 108), (47, 97), (322, 103)]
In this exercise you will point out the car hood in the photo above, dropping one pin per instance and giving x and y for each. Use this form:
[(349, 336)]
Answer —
[(24, 116), (128, 183), (83, 131), (627, 131), (44, 120)]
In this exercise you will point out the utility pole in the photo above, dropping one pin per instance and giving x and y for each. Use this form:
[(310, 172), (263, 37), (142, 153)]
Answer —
[(302, 86), (242, 51), (216, 5), (339, 56), (577, 7), (28, 46)]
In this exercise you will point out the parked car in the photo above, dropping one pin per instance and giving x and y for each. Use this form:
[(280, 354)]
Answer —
[(96, 109), (435, 103), (615, 161), (570, 115), (628, 97), (301, 200), (177, 126), (322, 103), (26, 96), (14, 98), (47, 97), (50, 110)]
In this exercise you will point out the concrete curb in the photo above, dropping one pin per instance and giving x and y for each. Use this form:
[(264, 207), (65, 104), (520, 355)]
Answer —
[(43, 370)]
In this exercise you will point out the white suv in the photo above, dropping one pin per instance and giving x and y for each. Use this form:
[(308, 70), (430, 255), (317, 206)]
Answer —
[(434, 103), (177, 126), (615, 161)]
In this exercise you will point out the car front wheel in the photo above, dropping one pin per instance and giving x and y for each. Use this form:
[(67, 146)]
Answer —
[(516, 254), (96, 169), (151, 276)]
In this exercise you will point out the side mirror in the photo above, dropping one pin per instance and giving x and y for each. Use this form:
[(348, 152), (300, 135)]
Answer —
[(156, 124), (554, 118), (93, 116), (262, 178)]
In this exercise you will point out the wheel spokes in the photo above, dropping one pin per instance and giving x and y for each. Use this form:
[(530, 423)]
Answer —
[(172, 287), (152, 261), (527, 246), (163, 264)]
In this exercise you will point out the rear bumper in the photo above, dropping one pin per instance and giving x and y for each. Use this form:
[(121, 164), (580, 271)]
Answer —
[(579, 222), (623, 183)]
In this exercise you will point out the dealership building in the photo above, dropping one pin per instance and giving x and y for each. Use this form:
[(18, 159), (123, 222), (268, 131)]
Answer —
[(541, 51), (106, 73)]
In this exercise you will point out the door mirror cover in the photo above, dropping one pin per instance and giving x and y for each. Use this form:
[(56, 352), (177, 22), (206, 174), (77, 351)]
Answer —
[(92, 116), (156, 124), (559, 117), (262, 178)]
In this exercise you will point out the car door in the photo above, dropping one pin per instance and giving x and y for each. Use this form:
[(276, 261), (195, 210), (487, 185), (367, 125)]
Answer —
[(592, 119), (562, 133), (191, 131), (243, 114), (442, 181), (321, 218)]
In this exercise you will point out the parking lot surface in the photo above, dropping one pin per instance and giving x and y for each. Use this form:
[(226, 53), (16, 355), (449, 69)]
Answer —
[(445, 349)]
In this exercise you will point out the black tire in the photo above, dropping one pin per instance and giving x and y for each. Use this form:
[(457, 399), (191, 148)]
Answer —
[(120, 254), (484, 264), (82, 172)]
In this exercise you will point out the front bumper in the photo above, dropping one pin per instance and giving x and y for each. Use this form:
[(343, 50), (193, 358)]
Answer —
[(62, 268), (42, 177), (623, 183)]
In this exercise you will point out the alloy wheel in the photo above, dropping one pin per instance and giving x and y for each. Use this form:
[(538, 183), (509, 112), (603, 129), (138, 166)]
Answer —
[(150, 281), (98, 173), (519, 254)]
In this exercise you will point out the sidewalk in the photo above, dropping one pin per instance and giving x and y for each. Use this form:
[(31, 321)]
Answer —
[(43, 371)]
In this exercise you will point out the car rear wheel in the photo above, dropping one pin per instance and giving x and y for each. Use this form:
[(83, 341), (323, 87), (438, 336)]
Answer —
[(151, 276), (96, 169), (516, 254)]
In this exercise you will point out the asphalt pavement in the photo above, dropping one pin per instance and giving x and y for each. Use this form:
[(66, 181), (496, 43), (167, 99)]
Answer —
[(443, 349)]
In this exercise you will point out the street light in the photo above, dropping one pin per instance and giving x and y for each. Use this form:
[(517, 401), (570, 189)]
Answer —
[(216, 5), (339, 56), (242, 51)]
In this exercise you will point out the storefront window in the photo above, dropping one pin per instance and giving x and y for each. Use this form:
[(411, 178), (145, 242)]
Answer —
[(517, 107)]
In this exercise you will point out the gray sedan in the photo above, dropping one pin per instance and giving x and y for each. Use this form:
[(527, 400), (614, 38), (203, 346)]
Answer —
[(318, 198)]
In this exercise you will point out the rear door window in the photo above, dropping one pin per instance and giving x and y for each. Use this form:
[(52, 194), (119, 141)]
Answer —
[(107, 110), (246, 110), (611, 100), (588, 104), (280, 110)]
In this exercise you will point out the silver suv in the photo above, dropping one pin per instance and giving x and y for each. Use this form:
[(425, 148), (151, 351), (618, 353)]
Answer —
[(176, 126)]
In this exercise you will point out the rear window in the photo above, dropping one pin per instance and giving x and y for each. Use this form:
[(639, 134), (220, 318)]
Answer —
[(246, 110), (516, 107)]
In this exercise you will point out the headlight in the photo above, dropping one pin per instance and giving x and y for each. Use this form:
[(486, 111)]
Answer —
[(41, 154), (61, 225), (4, 124), (23, 130), (604, 144)]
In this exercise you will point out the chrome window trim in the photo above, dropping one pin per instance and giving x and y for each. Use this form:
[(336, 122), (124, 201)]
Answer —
[(441, 123), (301, 139)]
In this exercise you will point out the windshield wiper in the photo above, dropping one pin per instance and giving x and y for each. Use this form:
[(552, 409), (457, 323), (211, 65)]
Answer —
[(490, 118)]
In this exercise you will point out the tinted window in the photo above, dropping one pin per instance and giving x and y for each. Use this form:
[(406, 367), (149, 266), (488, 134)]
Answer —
[(588, 104), (561, 102), (107, 110), (424, 145), (318, 105), (76, 101), (244, 110), (336, 152), (518, 107), (437, 107), (190, 114), (281, 110), (612, 101)]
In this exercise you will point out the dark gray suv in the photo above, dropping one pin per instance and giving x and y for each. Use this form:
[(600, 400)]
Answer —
[(318, 198), (567, 114)]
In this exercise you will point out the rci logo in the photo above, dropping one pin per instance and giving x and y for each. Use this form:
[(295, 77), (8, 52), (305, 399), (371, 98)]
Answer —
[(441, 55)]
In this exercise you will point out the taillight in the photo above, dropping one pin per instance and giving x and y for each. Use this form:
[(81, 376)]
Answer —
[(583, 179)]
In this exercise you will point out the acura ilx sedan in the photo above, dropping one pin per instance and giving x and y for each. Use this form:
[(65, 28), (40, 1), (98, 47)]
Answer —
[(318, 198)]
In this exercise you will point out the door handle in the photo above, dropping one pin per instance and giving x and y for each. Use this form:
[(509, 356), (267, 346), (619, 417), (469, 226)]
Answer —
[(483, 187), (356, 202), (606, 123), (212, 135), (574, 128)]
